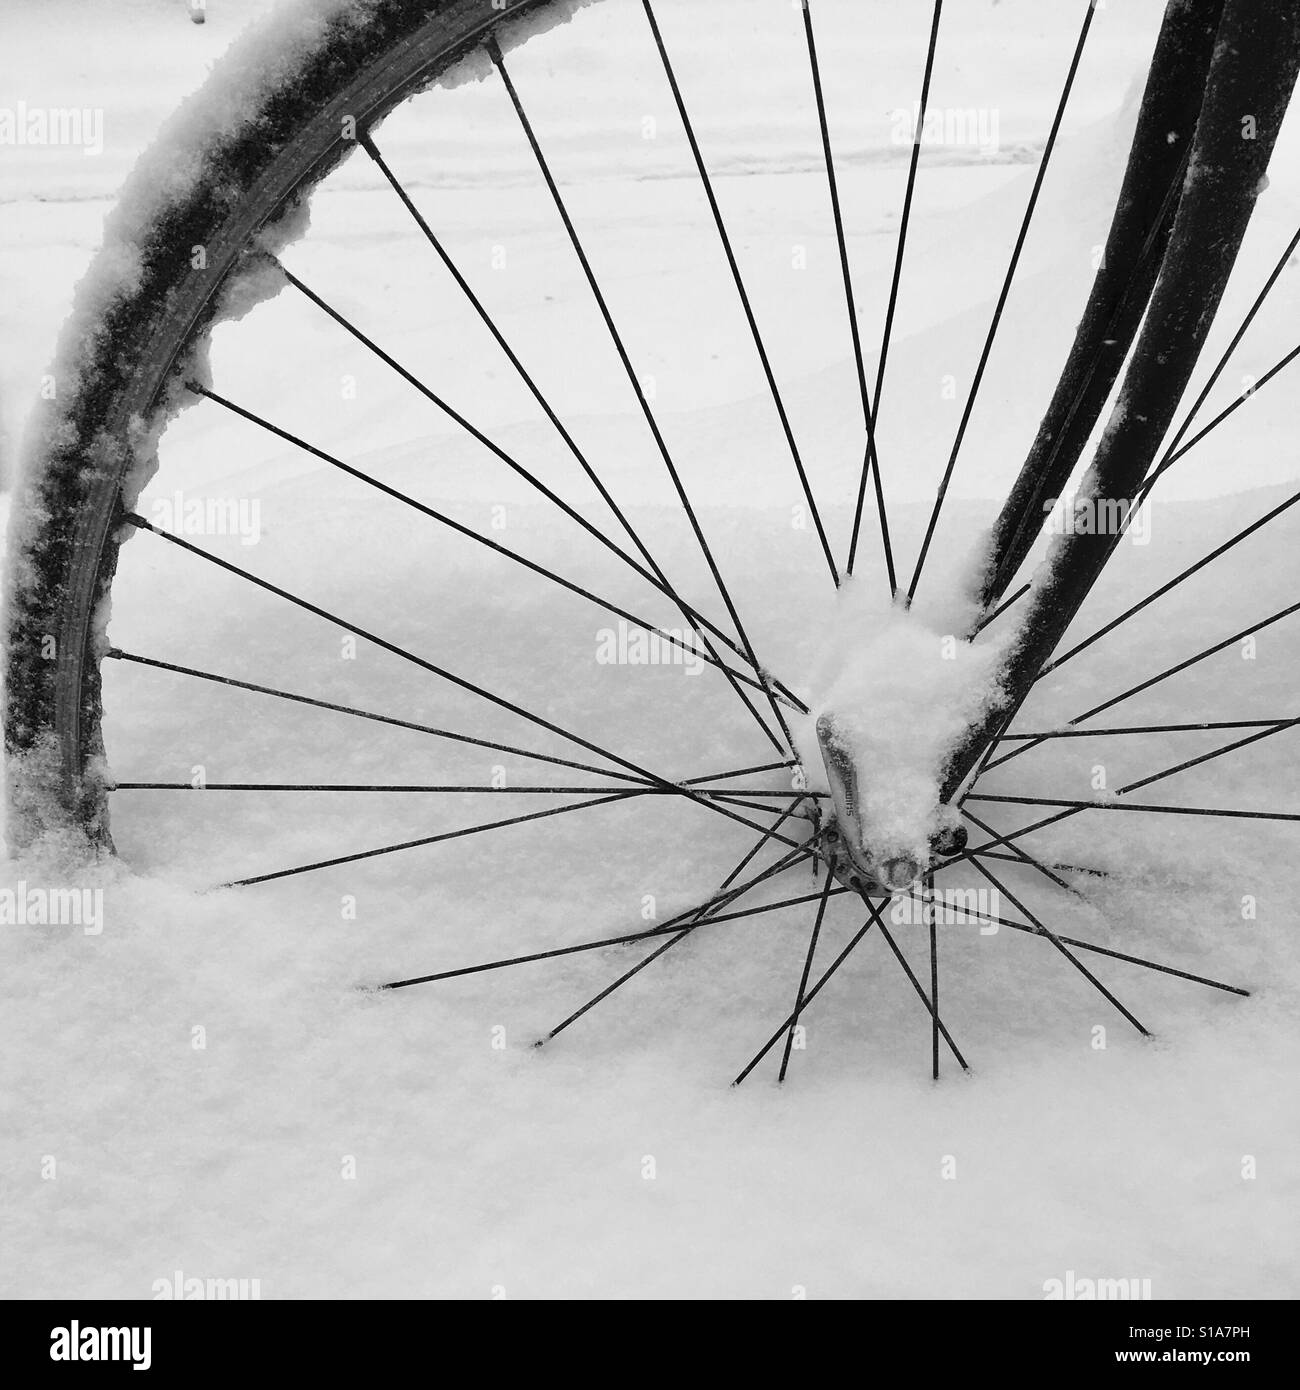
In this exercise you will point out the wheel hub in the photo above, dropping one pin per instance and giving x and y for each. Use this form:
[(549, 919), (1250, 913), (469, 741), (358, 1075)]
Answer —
[(868, 866)]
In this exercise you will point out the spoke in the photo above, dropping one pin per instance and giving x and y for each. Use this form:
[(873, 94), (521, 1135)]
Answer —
[(428, 840), (934, 978), (1173, 450), (1098, 950), (443, 519), (1146, 964), (1173, 454), (1060, 946), (1153, 680), (1267, 732), (1000, 609), (1012, 835), (974, 916), (736, 276), (505, 458), (779, 906), (1146, 729), (803, 979), (935, 1020), (1173, 583), (1177, 449), (746, 772), (729, 792), (868, 415), (412, 380), (626, 938), (987, 760), (392, 647), (368, 144), (1018, 855), (812, 994), (1133, 806), (698, 918), (870, 460), (1001, 304), (441, 672), (1229, 409), (718, 798), (445, 789), (837, 215), (1058, 864), (620, 795), (494, 52), (1207, 757), (696, 619), (990, 762), (375, 718), (568, 439)]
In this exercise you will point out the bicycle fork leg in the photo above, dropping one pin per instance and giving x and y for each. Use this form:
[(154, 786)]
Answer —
[(1251, 79), (1135, 246)]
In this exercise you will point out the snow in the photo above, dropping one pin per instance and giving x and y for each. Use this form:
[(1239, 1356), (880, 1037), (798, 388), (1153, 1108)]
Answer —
[(897, 692), (481, 1167)]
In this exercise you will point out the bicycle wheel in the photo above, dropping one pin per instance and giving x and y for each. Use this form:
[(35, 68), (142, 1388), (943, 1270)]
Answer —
[(464, 664)]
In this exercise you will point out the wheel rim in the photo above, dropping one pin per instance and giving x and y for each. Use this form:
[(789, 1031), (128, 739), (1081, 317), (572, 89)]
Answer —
[(772, 824)]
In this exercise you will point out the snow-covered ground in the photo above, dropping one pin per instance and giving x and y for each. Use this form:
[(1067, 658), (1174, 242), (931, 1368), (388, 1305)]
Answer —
[(332, 1142)]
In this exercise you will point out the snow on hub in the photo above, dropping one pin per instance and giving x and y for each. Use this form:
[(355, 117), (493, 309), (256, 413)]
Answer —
[(893, 696)]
